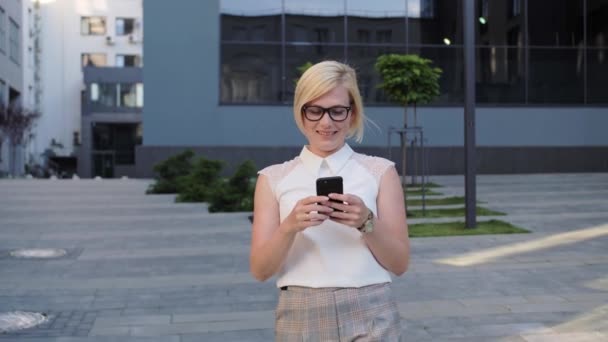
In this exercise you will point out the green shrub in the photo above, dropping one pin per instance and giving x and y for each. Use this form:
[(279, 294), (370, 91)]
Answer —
[(236, 193), (198, 185), (168, 172)]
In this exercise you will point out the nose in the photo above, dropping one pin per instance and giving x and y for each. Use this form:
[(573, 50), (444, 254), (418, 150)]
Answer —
[(325, 119)]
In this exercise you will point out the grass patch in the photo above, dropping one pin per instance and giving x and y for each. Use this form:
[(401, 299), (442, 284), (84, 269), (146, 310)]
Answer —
[(458, 228), (438, 201), (450, 212), (419, 192)]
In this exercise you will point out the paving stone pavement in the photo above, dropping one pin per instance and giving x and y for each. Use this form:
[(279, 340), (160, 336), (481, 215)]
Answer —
[(141, 268)]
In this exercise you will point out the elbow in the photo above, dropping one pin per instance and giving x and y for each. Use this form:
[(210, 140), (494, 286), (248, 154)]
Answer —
[(401, 268), (259, 276), (258, 273)]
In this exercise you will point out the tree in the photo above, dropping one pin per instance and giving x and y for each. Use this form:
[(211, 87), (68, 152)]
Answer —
[(408, 80), (16, 124)]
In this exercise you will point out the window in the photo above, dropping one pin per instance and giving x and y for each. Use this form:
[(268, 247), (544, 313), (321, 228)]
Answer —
[(597, 23), (103, 94), (250, 73), (555, 23), (384, 36), (128, 61), (13, 41), (2, 30), (548, 86), (519, 46), (370, 23), (2, 93), (116, 95), (500, 77), (125, 26), (435, 21), (451, 82), (93, 26), (515, 8), (597, 74), (362, 36), (314, 22), (94, 59), (130, 95)]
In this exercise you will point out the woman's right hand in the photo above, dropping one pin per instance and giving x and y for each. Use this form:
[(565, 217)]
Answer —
[(308, 212)]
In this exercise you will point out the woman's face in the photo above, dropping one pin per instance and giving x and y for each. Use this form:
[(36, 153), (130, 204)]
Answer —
[(327, 136)]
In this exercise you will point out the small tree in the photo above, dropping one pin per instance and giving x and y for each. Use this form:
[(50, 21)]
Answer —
[(408, 80), (16, 124)]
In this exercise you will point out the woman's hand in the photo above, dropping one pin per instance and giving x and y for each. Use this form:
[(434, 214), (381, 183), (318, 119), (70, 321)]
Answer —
[(352, 212), (309, 211)]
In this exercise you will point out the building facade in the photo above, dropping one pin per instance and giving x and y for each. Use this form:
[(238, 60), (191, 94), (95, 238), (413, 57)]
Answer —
[(76, 35), (111, 121), (223, 84), (11, 75)]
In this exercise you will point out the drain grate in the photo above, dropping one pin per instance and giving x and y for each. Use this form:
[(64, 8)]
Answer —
[(19, 320), (39, 253)]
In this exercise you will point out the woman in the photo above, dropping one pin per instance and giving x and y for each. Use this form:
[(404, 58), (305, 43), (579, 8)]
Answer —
[(332, 258)]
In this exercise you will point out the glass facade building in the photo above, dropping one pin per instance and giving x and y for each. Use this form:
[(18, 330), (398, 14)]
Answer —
[(526, 54), (541, 67)]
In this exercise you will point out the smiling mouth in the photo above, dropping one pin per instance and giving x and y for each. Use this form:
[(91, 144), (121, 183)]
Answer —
[(327, 133)]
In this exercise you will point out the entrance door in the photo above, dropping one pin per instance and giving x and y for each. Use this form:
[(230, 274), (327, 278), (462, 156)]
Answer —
[(103, 164)]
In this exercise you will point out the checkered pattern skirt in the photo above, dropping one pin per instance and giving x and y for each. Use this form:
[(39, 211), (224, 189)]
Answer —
[(337, 314)]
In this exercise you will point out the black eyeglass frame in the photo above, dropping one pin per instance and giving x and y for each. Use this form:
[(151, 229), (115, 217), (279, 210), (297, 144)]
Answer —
[(326, 110)]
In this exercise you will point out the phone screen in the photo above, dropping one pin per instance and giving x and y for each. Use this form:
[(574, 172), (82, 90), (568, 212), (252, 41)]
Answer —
[(328, 185)]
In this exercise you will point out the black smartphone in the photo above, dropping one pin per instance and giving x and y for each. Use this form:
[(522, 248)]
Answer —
[(328, 185)]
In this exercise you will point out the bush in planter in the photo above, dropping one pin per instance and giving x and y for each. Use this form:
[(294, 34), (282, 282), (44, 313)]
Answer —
[(168, 172), (236, 193), (198, 185)]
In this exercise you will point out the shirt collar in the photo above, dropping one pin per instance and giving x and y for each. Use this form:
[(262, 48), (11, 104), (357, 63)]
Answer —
[(335, 161)]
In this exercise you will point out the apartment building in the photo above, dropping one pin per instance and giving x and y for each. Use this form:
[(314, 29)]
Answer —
[(11, 76), (104, 37)]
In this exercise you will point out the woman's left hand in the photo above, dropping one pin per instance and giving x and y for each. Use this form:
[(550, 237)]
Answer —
[(352, 212)]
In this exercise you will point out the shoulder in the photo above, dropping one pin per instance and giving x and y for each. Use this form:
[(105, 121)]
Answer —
[(275, 173), (376, 166)]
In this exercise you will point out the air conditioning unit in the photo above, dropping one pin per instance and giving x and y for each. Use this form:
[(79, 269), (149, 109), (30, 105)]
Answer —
[(109, 40), (133, 39)]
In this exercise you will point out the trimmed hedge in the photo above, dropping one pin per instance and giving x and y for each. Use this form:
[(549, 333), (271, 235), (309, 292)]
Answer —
[(235, 194), (169, 171), (199, 184), (199, 181)]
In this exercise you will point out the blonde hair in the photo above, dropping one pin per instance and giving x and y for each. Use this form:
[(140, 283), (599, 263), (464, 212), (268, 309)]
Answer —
[(322, 78)]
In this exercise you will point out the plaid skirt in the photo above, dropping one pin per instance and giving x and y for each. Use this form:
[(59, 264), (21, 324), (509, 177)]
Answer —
[(368, 313)]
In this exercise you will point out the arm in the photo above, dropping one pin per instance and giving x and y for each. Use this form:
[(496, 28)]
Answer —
[(271, 239), (389, 242)]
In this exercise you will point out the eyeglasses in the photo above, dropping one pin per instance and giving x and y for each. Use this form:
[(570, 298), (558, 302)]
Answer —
[(336, 113)]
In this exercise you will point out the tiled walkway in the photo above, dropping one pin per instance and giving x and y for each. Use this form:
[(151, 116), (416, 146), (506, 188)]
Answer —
[(141, 268)]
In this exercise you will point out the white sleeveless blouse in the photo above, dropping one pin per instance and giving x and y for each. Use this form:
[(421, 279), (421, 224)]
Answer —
[(331, 254)]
